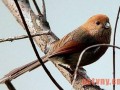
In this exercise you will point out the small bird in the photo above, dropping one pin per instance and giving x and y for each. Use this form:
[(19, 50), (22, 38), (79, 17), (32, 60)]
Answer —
[(97, 30)]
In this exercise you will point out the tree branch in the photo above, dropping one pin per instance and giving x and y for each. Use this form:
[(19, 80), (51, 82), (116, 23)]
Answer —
[(23, 36), (10, 85), (78, 63), (37, 24), (113, 47), (44, 9), (37, 8), (34, 47)]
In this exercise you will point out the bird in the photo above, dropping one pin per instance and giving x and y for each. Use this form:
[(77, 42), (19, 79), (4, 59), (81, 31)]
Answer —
[(96, 30)]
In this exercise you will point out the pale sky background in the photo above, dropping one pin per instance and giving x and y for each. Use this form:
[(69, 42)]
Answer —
[(63, 16)]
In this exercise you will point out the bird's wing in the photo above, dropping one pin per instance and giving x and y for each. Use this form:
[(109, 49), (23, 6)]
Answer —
[(69, 47), (69, 44)]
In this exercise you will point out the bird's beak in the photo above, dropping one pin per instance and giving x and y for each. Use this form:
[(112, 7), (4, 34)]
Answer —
[(107, 25)]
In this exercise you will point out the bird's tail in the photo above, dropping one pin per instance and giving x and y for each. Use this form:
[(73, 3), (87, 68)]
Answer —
[(36, 63), (25, 68)]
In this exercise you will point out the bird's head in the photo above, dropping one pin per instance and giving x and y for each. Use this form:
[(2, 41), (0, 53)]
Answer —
[(98, 26)]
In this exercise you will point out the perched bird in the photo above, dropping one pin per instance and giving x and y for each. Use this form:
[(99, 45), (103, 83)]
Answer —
[(97, 30)]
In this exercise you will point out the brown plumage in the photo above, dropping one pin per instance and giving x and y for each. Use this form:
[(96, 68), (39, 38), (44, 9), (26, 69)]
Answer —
[(96, 30)]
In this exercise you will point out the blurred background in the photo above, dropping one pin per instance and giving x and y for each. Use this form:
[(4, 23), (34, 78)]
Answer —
[(63, 17)]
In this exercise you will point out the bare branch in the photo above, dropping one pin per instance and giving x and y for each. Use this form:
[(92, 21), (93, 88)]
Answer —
[(36, 24), (114, 48), (24, 36), (10, 85), (34, 47), (37, 8), (44, 9), (80, 57)]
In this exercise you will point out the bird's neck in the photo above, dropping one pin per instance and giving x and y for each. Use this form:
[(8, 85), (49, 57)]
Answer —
[(101, 36)]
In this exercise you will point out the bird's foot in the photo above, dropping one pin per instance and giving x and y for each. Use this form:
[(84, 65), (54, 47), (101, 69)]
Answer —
[(67, 67)]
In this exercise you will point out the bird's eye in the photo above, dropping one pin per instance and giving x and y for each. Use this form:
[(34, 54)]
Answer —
[(98, 23)]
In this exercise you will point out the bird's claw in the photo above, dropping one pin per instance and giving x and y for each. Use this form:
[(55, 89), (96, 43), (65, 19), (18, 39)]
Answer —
[(66, 67)]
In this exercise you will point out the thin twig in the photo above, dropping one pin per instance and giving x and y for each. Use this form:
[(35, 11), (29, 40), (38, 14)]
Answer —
[(37, 8), (80, 57), (10, 85), (114, 48), (34, 47), (44, 9), (23, 36)]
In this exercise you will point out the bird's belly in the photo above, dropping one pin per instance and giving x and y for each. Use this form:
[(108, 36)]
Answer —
[(72, 59), (88, 58)]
